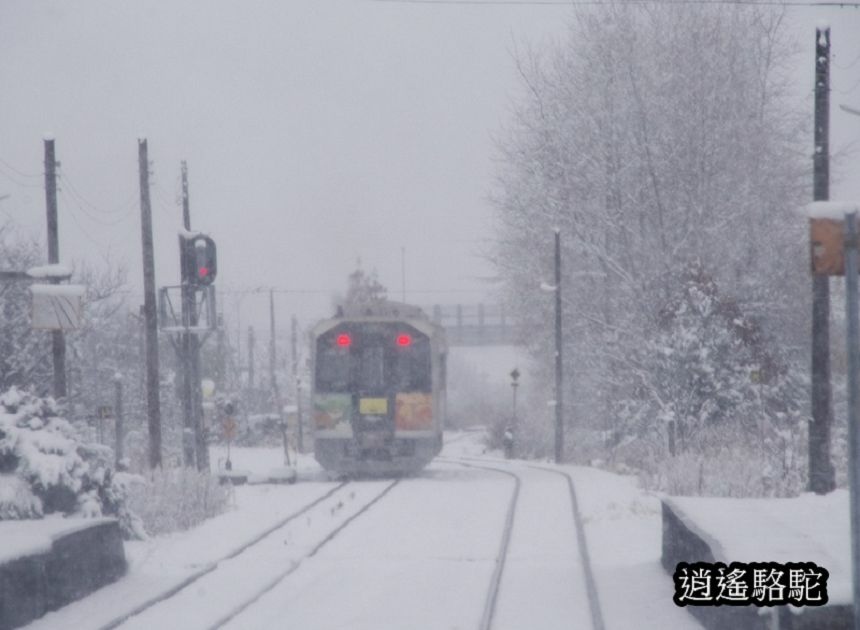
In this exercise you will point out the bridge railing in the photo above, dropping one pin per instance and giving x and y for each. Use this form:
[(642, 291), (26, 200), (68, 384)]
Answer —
[(475, 324)]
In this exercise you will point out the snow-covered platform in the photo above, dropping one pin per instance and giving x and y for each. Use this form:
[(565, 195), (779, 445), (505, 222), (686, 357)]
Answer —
[(809, 528), (45, 564)]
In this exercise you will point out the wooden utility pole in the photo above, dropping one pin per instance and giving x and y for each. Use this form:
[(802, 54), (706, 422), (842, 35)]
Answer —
[(58, 340), (153, 404), (276, 392), (822, 478), (272, 356), (251, 357), (297, 381)]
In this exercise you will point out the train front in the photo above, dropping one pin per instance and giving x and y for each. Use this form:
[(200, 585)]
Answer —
[(378, 395)]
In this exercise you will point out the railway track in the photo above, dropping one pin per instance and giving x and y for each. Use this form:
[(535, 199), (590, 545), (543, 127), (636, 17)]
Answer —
[(492, 597), (341, 505)]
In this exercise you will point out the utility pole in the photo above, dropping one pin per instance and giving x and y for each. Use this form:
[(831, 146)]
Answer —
[(276, 393), (118, 419), (251, 357), (403, 273), (297, 381), (153, 404), (272, 357), (559, 396), (58, 340), (822, 478)]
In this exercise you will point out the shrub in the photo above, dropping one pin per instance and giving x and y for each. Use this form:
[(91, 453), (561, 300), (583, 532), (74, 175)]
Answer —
[(174, 499), (45, 467)]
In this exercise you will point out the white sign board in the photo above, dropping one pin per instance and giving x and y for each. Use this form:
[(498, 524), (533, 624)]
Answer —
[(57, 306)]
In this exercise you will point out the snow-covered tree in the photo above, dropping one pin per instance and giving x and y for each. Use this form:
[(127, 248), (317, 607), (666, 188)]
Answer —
[(25, 354), (364, 288), (655, 136)]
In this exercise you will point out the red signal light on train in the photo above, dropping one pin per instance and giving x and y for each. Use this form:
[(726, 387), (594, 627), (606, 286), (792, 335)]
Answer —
[(404, 340), (343, 340)]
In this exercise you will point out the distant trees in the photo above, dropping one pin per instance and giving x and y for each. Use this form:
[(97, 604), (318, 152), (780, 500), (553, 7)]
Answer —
[(364, 288), (659, 139)]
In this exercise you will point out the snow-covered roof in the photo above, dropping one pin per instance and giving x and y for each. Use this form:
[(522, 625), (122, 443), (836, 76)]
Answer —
[(58, 270), (829, 209)]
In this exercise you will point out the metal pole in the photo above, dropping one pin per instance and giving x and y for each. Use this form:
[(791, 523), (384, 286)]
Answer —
[(191, 342), (822, 476), (58, 340), (118, 418), (153, 403), (188, 415), (559, 396), (851, 310)]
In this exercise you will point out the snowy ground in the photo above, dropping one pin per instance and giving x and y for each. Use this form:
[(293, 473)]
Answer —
[(420, 556)]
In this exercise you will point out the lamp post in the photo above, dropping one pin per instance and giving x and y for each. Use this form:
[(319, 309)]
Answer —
[(515, 375), (559, 426)]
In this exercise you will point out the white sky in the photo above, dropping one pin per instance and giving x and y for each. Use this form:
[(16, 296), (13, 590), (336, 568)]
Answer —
[(316, 132)]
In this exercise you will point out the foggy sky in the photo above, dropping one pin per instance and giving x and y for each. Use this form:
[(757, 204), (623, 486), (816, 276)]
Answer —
[(317, 132)]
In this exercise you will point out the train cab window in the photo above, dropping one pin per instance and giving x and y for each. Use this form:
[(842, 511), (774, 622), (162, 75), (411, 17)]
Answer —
[(333, 370), (411, 367)]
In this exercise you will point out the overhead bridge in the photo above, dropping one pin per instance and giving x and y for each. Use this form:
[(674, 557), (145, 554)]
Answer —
[(475, 324)]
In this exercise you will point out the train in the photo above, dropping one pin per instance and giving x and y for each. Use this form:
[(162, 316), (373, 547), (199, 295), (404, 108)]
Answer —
[(378, 389)]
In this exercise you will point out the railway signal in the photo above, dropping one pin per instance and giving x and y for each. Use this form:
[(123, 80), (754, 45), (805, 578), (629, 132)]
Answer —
[(202, 256)]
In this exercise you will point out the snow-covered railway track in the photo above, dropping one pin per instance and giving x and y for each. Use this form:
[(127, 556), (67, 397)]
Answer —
[(226, 588), (588, 572), (497, 615), (496, 579)]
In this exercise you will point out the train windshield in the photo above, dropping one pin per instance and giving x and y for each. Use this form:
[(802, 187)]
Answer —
[(374, 362)]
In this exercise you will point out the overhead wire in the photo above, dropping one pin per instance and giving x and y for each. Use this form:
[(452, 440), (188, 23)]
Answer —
[(19, 172), (751, 3), (10, 174), (73, 190), (79, 202)]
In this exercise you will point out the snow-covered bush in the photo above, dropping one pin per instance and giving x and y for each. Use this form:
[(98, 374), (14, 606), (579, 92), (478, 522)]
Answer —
[(174, 499), (46, 468)]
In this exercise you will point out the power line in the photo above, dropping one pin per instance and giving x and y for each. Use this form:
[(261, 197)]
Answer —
[(18, 171), (9, 173), (124, 209), (570, 3)]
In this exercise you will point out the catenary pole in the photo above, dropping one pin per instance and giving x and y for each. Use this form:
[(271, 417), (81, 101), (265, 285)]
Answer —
[(58, 339), (822, 477), (153, 404)]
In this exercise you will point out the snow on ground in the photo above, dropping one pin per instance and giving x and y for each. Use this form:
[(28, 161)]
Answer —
[(434, 538), (162, 563), (432, 571), (623, 526), (809, 528)]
